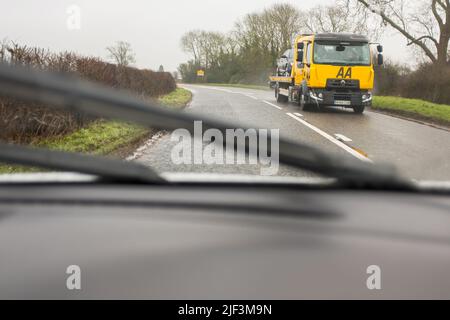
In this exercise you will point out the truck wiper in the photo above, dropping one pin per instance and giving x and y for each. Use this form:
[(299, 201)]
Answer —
[(67, 92), (357, 64), (333, 63)]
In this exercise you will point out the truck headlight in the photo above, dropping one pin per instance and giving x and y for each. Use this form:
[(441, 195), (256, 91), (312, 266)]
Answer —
[(366, 97), (316, 97)]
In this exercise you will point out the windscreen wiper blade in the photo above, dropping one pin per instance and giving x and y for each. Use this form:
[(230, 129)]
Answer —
[(68, 92), (106, 168)]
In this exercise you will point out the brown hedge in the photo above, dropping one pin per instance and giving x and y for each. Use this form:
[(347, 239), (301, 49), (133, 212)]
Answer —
[(427, 82), (23, 122)]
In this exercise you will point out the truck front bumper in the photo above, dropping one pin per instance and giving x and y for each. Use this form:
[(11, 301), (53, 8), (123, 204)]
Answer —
[(338, 98)]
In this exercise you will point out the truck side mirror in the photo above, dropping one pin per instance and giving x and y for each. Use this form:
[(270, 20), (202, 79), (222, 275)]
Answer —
[(300, 55), (380, 59), (300, 47), (379, 48)]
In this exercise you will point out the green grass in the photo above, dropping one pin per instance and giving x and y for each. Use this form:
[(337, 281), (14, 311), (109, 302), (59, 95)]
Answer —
[(238, 85), (102, 137), (176, 99), (414, 108)]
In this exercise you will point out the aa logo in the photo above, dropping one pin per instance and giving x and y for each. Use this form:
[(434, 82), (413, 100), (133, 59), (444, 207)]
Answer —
[(347, 74)]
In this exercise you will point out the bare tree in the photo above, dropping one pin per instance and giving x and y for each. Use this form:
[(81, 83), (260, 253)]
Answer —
[(424, 23), (285, 20), (262, 36), (340, 17), (190, 43), (205, 47), (122, 53)]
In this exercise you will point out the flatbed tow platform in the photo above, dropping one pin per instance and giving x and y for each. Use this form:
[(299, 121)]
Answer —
[(275, 79)]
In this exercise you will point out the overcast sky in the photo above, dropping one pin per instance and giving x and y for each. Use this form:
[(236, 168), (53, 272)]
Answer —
[(153, 27)]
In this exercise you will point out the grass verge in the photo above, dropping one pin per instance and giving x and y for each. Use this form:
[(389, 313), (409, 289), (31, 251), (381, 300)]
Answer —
[(104, 137), (176, 99), (413, 108)]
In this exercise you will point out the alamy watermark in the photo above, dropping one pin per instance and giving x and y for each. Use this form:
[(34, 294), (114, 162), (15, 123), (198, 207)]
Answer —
[(373, 282), (208, 147), (73, 281), (73, 21)]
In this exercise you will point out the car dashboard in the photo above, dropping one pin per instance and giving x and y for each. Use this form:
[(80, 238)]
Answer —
[(219, 241)]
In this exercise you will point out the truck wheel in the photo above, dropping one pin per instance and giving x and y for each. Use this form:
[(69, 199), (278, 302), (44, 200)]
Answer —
[(303, 104), (358, 109), (282, 98)]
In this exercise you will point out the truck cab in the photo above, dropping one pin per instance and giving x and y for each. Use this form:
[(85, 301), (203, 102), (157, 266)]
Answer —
[(329, 69)]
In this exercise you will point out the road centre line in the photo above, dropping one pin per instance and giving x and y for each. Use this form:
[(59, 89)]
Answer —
[(226, 90), (298, 114), (341, 137), (340, 144), (271, 104)]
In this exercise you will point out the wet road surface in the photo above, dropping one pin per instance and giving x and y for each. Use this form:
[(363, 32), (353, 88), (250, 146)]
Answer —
[(419, 151)]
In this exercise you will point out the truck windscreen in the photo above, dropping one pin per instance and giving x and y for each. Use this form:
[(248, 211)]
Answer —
[(341, 53)]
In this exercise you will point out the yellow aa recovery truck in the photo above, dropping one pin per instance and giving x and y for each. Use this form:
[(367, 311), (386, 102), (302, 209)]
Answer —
[(327, 69)]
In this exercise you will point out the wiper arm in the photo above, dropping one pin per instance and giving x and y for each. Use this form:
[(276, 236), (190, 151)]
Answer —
[(75, 94), (107, 169), (334, 63)]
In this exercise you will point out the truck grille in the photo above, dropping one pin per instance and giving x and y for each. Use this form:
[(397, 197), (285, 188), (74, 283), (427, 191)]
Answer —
[(342, 84)]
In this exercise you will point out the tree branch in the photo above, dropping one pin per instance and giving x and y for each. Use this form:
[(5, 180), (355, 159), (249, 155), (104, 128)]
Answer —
[(423, 37), (442, 4), (407, 35), (436, 14)]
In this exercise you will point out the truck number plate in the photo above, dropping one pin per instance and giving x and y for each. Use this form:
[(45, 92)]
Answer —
[(342, 102)]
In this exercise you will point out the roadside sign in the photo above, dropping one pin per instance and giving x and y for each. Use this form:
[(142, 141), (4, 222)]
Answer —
[(200, 73)]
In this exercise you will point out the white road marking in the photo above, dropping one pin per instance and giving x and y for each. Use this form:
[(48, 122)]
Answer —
[(330, 138), (218, 89), (140, 151), (250, 96), (225, 90), (341, 137), (298, 114), (273, 105), (239, 92)]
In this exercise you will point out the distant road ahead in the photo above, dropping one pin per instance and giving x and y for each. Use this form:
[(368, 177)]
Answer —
[(419, 151)]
